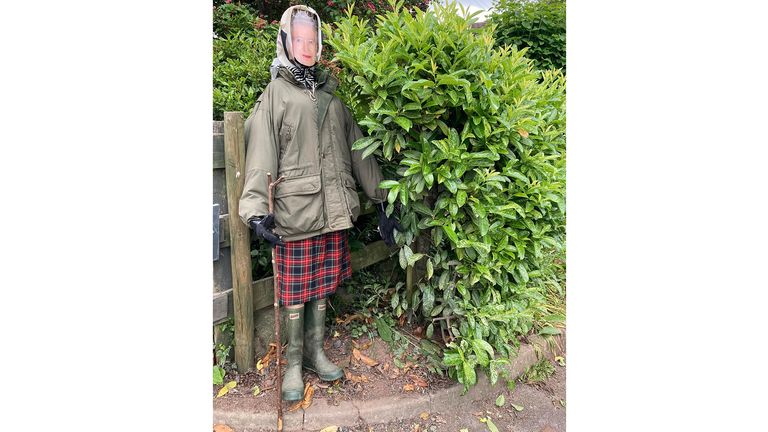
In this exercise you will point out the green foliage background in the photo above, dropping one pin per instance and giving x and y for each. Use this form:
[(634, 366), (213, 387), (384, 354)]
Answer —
[(476, 137), (329, 10), (538, 25), (243, 49)]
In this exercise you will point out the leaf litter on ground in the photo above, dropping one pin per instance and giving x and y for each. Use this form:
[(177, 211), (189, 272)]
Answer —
[(309, 391), (363, 358), (267, 358)]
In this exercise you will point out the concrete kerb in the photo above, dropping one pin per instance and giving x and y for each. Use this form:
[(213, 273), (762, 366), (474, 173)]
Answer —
[(391, 408)]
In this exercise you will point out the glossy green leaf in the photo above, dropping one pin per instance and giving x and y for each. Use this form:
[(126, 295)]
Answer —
[(549, 330), (386, 184), (383, 329), (461, 198), (363, 143), (450, 233), (469, 373), (428, 299), (404, 122), (414, 258)]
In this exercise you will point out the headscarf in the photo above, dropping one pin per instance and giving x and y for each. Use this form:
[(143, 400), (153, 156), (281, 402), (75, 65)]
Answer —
[(303, 74)]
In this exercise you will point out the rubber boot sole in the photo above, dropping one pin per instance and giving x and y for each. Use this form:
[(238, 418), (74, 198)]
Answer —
[(329, 377), (292, 395)]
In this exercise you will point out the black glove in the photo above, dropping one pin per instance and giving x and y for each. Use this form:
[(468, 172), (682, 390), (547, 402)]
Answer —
[(387, 225), (262, 227)]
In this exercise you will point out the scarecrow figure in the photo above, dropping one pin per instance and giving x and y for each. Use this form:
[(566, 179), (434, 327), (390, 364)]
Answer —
[(300, 131)]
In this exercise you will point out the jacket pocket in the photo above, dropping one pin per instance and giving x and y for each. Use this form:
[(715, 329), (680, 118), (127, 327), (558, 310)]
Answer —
[(285, 136), (299, 205), (350, 193)]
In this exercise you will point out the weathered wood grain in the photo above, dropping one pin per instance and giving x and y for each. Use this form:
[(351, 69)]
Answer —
[(242, 294)]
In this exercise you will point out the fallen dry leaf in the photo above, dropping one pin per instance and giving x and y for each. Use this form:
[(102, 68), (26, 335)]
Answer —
[(477, 413), (359, 379), (267, 359), (309, 390), (349, 318), (408, 387), (355, 378), (364, 346), (424, 415), (308, 398), (395, 373), (419, 381), (409, 365), (523, 133), (226, 388), (363, 358), (222, 428), (295, 406), (330, 429)]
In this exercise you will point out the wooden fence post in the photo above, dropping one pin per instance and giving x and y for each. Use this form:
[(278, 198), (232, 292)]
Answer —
[(240, 242)]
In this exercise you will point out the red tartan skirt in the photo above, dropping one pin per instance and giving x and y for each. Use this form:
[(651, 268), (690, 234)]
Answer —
[(312, 268)]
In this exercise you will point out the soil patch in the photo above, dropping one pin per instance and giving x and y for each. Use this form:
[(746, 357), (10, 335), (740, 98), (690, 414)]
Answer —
[(535, 407), (372, 370)]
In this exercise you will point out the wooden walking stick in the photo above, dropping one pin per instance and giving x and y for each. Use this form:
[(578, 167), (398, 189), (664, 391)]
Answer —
[(278, 342)]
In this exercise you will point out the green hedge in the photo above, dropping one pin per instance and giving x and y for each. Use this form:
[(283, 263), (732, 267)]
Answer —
[(329, 10), (476, 138), (243, 49), (538, 25)]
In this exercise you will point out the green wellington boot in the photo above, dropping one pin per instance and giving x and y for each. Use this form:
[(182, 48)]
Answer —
[(314, 331), (293, 386)]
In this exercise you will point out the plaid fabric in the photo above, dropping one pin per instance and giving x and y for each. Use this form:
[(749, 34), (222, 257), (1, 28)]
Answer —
[(312, 268)]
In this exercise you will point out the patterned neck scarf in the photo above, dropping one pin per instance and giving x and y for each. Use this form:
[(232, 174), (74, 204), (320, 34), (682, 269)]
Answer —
[(305, 75)]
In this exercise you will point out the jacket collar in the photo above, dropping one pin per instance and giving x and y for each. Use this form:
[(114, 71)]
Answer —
[(325, 81)]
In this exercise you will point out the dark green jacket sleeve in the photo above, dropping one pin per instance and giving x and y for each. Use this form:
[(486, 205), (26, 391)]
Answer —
[(261, 156), (366, 171)]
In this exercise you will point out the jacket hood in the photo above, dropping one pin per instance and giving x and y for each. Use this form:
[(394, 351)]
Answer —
[(284, 49)]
